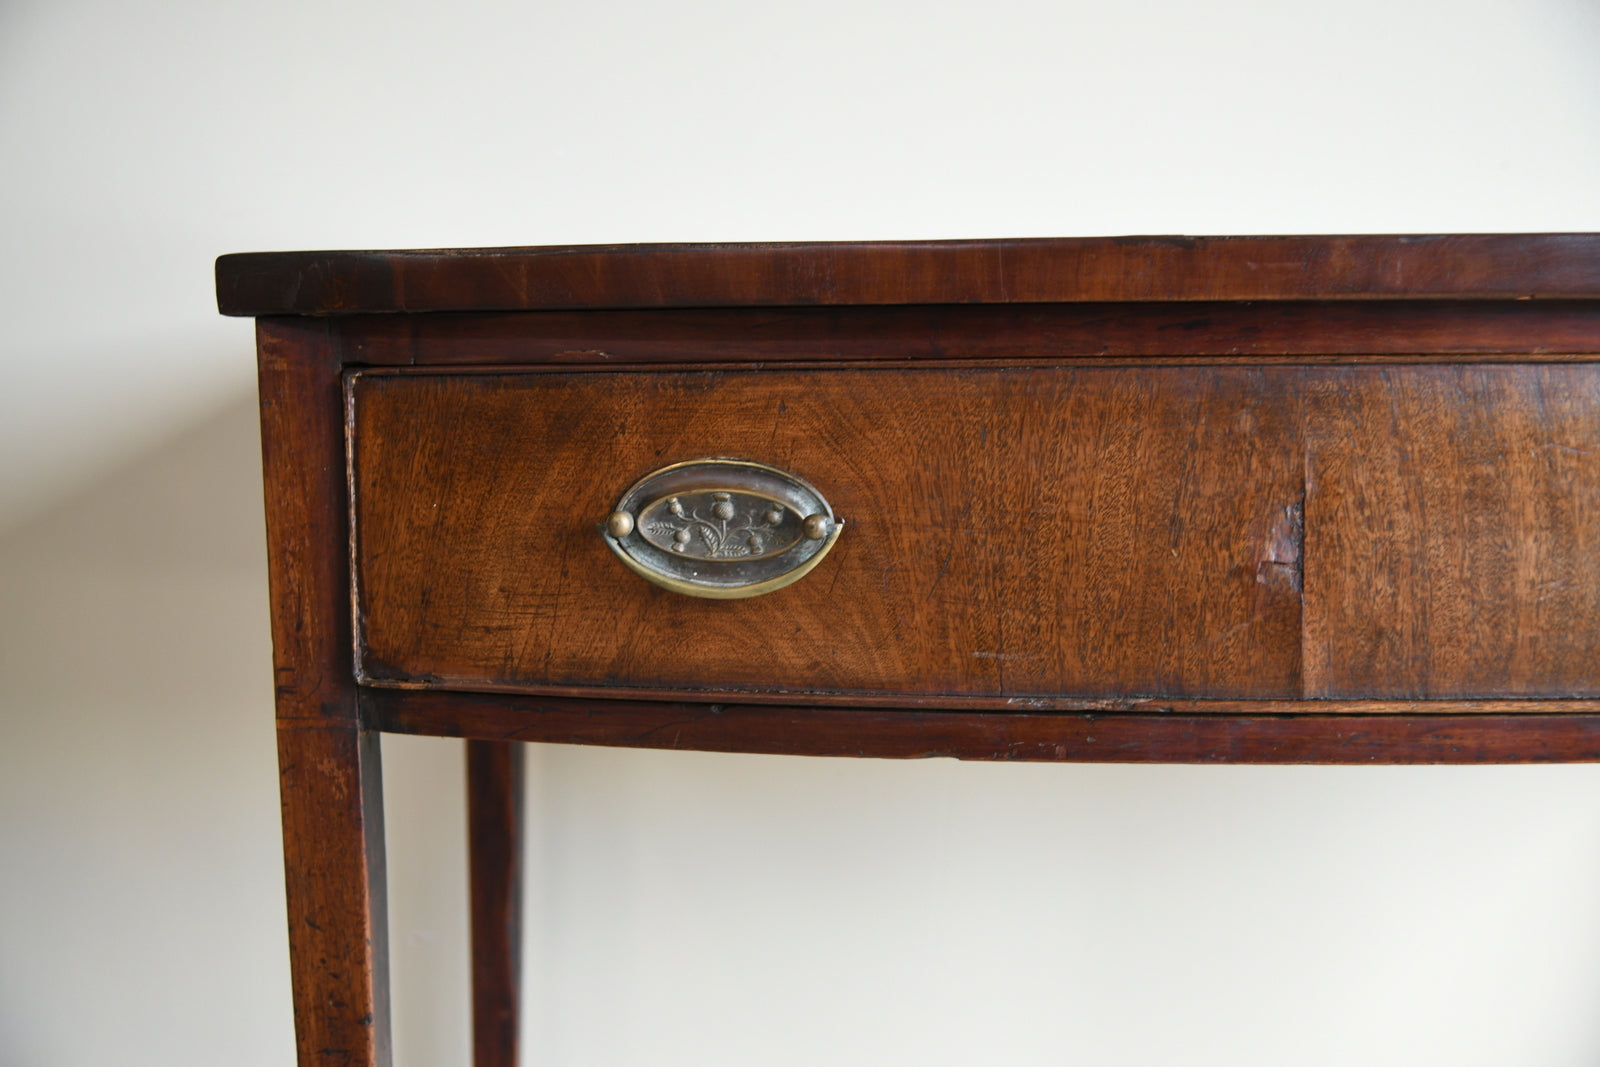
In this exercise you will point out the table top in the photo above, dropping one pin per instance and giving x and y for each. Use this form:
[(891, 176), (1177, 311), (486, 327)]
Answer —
[(1023, 271)]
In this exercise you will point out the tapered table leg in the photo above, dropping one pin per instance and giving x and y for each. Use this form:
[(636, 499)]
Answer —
[(328, 763), (338, 923), (495, 828)]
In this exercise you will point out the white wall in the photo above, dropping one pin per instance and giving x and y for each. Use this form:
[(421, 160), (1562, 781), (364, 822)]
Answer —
[(690, 908)]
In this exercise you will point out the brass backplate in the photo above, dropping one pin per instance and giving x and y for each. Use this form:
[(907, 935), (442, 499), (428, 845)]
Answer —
[(721, 528)]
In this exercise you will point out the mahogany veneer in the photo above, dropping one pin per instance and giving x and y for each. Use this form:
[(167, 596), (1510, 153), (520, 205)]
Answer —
[(1284, 499)]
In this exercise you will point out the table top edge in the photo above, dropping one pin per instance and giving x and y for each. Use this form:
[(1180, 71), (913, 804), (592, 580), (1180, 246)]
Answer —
[(1011, 271)]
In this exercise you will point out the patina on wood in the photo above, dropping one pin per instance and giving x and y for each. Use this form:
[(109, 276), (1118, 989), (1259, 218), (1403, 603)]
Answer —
[(1090, 534), (1009, 532), (1479, 266), (329, 763), (1271, 500), (1243, 736), (1305, 331), (495, 829)]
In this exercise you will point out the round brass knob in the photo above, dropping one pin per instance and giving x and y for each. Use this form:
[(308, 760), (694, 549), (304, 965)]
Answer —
[(620, 524)]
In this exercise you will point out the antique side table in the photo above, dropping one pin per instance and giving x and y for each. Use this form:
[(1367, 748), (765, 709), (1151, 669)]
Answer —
[(1275, 499)]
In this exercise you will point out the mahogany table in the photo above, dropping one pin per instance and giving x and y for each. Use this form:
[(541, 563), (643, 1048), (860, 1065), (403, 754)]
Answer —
[(1273, 499)]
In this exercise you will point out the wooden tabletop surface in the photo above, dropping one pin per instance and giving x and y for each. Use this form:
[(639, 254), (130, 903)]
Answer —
[(1066, 270)]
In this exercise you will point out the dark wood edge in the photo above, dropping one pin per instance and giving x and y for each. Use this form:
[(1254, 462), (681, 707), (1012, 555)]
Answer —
[(1048, 270), (1141, 332), (987, 703), (885, 734)]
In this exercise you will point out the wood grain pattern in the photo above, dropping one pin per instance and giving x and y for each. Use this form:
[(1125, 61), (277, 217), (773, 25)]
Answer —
[(1109, 534), (495, 852), (331, 790), (1479, 266), (302, 450), (1453, 532), (885, 734), (1009, 532), (1308, 330), (329, 766)]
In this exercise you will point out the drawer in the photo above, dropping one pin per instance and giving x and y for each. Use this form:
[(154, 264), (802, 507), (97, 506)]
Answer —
[(1033, 535)]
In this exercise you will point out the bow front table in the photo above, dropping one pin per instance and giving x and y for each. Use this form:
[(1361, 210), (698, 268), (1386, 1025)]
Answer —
[(1263, 499)]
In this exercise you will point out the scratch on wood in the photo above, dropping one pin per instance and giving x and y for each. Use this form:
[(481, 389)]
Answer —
[(334, 772)]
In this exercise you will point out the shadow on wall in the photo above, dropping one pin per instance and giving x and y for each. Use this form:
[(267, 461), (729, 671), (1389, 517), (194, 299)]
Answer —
[(141, 891), (141, 878)]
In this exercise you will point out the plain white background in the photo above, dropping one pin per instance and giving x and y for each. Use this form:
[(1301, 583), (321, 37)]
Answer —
[(703, 909)]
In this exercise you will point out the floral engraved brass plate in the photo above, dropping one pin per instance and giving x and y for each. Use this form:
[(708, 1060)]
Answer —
[(720, 525), (721, 528)]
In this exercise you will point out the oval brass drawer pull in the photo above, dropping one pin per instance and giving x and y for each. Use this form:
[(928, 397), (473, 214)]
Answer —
[(721, 528)]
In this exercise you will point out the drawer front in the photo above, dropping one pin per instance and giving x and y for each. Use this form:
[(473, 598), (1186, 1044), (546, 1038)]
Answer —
[(1011, 534)]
